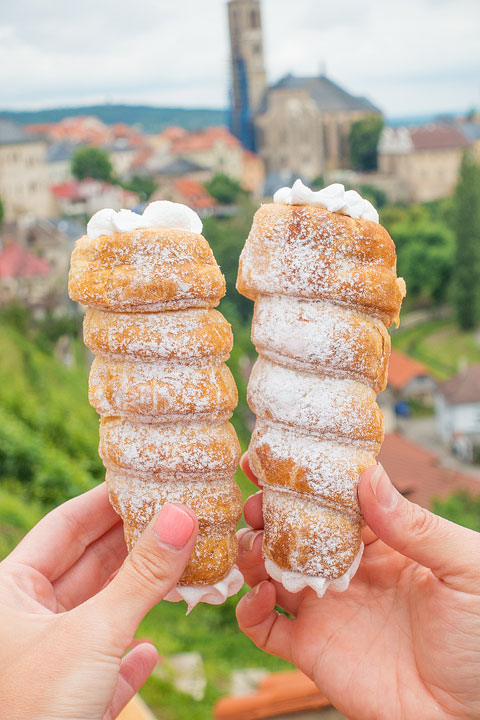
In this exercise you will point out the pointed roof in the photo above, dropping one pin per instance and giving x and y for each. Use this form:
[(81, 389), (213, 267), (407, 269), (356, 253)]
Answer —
[(464, 387), (13, 134), (403, 368), (328, 96)]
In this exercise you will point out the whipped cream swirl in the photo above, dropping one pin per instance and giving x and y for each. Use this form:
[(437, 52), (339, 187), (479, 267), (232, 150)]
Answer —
[(159, 214), (334, 198)]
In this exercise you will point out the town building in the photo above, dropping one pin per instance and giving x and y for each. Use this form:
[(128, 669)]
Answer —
[(23, 173), (86, 197), (188, 191), (410, 379), (457, 411), (419, 474), (299, 125), (249, 80), (34, 262), (423, 161), (214, 148)]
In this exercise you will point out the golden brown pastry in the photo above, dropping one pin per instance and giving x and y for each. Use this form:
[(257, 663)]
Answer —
[(161, 387), (325, 288)]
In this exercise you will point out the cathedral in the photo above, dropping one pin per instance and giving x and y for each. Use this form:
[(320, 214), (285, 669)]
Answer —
[(299, 125)]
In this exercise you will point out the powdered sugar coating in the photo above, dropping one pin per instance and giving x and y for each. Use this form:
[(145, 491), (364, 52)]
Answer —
[(185, 448), (325, 287), (162, 392), (311, 253), (161, 387), (321, 405), (190, 335), (321, 336)]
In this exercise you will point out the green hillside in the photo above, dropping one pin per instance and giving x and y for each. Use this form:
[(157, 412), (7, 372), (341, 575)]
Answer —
[(150, 119)]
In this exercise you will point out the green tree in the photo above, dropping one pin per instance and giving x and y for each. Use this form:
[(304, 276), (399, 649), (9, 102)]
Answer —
[(363, 138), (92, 162), (376, 195), (467, 232), (225, 189), (460, 508), (143, 186), (2, 212), (426, 253)]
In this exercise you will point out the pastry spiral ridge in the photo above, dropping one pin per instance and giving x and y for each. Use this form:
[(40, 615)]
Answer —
[(325, 290), (162, 390)]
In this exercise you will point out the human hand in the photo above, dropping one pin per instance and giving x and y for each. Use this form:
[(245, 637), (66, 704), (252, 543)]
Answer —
[(403, 641), (67, 623)]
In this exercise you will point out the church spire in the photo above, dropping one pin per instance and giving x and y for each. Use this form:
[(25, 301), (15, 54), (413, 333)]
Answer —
[(248, 78)]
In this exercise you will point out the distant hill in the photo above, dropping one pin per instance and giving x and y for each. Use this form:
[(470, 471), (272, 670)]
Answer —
[(151, 119)]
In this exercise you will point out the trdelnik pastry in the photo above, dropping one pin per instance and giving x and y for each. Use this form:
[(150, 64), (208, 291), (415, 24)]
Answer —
[(160, 383), (322, 273)]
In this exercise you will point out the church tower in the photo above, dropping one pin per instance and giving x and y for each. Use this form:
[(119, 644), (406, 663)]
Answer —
[(247, 68)]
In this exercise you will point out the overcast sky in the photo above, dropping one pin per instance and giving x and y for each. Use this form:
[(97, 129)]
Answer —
[(407, 56)]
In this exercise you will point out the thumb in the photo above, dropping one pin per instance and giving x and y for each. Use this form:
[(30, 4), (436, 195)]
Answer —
[(151, 570), (450, 551)]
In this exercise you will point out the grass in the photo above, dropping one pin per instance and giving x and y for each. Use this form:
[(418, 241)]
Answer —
[(440, 345)]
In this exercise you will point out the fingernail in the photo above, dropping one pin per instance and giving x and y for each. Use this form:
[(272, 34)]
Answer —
[(256, 590), (174, 526), (387, 496), (247, 539)]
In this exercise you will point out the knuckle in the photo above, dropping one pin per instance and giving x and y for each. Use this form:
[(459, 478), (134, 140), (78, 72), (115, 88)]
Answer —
[(422, 522), (149, 567)]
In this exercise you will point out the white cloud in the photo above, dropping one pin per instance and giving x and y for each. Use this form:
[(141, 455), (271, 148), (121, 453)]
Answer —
[(412, 56)]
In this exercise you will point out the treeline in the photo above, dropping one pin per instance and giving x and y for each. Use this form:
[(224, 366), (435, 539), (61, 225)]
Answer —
[(150, 119)]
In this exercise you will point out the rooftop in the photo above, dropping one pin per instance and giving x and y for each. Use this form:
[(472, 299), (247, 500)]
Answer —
[(278, 694), (204, 140), (438, 137), (328, 96), (416, 472), (16, 261), (180, 166), (403, 368), (194, 193), (464, 387), (13, 134)]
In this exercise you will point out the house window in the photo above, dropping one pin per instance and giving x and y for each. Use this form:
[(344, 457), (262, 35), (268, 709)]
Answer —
[(254, 19)]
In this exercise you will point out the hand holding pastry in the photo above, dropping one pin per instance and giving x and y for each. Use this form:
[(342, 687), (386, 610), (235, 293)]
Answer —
[(403, 641), (66, 626)]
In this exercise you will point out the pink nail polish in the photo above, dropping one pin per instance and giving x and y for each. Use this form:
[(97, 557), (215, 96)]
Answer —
[(174, 526), (387, 496)]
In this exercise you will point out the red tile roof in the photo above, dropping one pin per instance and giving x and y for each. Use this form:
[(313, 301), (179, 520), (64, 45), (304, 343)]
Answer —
[(204, 140), (68, 190), (194, 193), (279, 694), (417, 473), (464, 387), (17, 261), (438, 137), (173, 132), (403, 368)]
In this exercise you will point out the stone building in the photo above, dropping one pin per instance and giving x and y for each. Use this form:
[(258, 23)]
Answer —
[(249, 79), (303, 125), (424, 161), (300, 125), (23, 173)]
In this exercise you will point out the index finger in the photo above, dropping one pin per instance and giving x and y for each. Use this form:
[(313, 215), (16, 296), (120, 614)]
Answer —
[(60, 538), (245, 465)]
